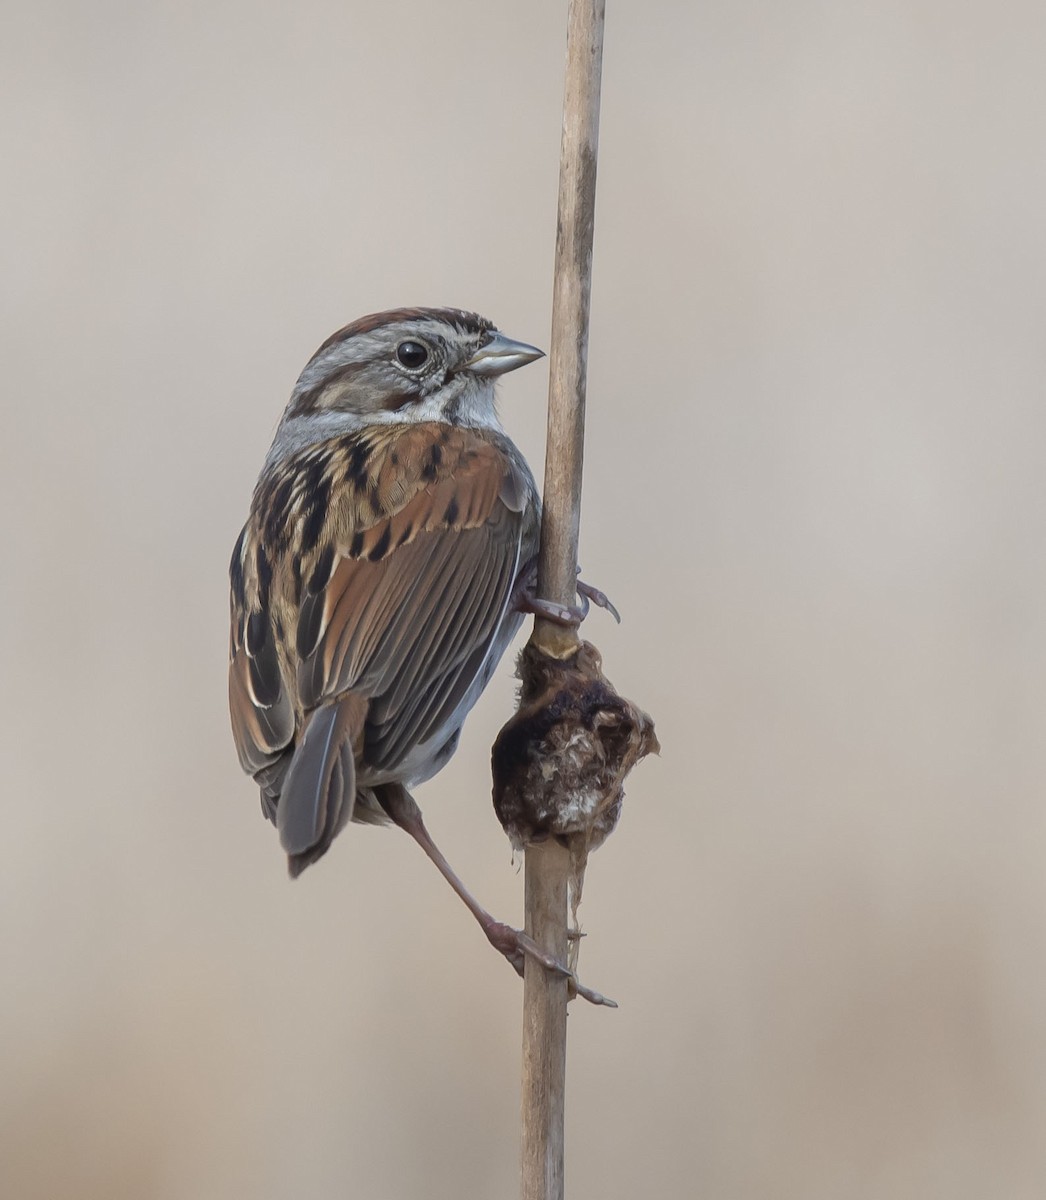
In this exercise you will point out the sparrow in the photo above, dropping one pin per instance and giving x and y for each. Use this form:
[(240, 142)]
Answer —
[(384, 568)]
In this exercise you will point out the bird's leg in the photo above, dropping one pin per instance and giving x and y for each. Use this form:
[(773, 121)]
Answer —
[(402, 808), (525, 599), (512, 943)]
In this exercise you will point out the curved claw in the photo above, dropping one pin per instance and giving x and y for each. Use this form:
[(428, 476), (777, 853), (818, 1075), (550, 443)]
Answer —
[(576, 988), (526, 600), (598, 598)]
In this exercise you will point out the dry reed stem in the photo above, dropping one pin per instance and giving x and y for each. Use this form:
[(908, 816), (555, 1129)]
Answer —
[(548, 864)]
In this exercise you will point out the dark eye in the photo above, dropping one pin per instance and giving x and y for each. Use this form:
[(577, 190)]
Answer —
[(412, 354)]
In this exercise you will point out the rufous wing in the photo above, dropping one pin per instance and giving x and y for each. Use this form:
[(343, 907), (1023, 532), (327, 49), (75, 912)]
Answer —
[(413, 601), (385, 603)]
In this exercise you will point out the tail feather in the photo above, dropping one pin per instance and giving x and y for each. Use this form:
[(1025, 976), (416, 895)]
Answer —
[(319, 791)]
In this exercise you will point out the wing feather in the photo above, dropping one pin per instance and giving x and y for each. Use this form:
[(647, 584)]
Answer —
[(433, 681), (382, 607), (260, 704), (415, 597), (319, 792)]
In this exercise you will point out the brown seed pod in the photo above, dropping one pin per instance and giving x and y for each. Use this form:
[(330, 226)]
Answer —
[(559, 765)]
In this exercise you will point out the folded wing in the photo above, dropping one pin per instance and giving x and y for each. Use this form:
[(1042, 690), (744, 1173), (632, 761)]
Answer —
[(387, 603)]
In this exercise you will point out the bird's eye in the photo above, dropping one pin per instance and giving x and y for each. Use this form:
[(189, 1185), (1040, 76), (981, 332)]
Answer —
[(412, 354)]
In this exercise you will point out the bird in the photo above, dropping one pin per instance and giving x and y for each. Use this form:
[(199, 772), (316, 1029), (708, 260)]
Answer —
[(385, 566)]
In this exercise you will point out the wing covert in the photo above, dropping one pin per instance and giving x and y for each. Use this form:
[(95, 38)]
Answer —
[(413, 601)]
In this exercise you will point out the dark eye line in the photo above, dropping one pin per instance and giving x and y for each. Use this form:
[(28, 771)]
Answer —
[(399, 401)]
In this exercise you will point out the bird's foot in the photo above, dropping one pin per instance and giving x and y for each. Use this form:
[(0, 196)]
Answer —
[(525, 599), (515, 945), (600, 599), (576, 988)]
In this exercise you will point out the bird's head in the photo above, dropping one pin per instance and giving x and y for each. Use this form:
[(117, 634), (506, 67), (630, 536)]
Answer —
[(405, 365)]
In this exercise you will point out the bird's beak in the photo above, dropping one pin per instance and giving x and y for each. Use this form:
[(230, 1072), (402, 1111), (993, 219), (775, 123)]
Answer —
[(502, 354)]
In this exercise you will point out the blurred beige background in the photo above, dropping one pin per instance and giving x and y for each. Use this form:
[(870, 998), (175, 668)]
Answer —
[(814, 487)]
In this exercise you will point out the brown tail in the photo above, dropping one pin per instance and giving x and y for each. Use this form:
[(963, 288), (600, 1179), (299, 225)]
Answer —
[(319, 791)]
